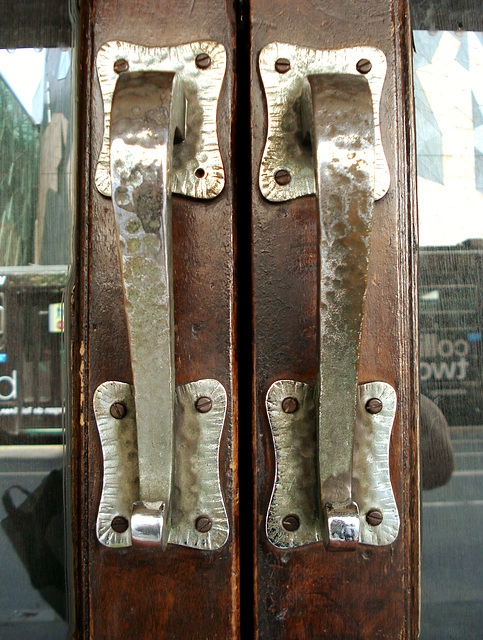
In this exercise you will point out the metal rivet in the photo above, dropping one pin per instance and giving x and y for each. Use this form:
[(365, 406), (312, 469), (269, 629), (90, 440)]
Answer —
[(374, 517), (118, 410), (291, 522), (283, 177), (121, 65), (199, 173), (364, 66), (203, 404), (119, 524), (282, 65), (374, 405), (290, 405), (203, 61), (203, 524)]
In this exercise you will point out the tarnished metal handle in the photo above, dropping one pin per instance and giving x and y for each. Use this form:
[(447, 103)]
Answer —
[(147, 109), (330, 97), (160, 469), (344, 155)]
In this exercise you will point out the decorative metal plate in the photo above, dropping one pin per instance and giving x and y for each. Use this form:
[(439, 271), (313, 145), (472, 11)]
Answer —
[(286, 93), (295, 491), (199, 150), (196, 483), (371, 481)]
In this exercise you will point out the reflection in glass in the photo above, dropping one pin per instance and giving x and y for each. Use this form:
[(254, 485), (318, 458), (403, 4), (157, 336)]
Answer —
[(36, 211), (448, 69)]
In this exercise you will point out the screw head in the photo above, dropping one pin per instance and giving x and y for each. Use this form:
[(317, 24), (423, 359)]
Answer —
[(290, 405), (203, 404), (203, 61), (121, 65), (374, 517), (283, 177), (282, 65), (364, 66), (203, 524), (291, 522), (374, 405), (118, 410), (119, 524)]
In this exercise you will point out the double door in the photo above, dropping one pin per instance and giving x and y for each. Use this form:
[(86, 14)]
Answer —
[(288, 154)]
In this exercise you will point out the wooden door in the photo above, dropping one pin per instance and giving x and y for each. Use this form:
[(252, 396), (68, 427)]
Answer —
[(182, 592), (248, 585), (308, 591)]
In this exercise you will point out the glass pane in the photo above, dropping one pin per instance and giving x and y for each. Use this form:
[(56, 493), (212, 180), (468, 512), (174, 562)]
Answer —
[(448, 78), (36, 222)]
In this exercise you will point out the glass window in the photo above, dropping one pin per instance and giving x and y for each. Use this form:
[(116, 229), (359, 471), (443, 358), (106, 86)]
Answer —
[(448, 81), (36, 222)]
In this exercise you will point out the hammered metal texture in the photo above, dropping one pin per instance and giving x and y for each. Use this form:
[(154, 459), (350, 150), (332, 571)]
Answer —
[(147, 108), (286, 94), (371, 482), (199, 150), (120, 486), (295, 488), (196, 483), (196, 488), (343, 146)]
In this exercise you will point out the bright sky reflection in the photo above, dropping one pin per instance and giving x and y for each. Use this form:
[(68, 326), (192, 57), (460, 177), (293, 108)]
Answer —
[(23, 70)]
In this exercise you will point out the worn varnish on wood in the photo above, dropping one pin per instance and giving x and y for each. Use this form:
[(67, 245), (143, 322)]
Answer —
[(310, 592), (181, 592)]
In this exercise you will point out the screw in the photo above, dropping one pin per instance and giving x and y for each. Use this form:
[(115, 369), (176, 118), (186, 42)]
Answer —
[(282, 65), (203, 404), (119, 524), (374, 405), (364, 66), (203, 524), (118, 410), (374, 517), (290, 405), (203, 61), (121, 65), (291, 522), (283, 177)]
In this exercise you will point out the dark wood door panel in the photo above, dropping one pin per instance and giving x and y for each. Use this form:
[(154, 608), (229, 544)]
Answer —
[(310, 592), (180, 592)]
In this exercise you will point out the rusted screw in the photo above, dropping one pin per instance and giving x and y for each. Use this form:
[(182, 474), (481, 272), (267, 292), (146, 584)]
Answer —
[(374, 405), (203, 404), (282, 65), (374, 517), (119, 524), (290, 405), (203, 524), (203, 61), (364, 66), (121, 65), (291, 522), (283, 177), (118, 410)]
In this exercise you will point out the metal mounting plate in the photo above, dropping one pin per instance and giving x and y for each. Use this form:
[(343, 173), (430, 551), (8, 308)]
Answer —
[(196, 483), (285, 93), (199, 150), (295, 490)]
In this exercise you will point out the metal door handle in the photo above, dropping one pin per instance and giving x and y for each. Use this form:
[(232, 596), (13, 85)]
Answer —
[(333, 96), (154, 98)]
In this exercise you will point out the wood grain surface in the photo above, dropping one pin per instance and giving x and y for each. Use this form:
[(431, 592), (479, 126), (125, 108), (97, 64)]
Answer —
[(182, 592), (310, 592)]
